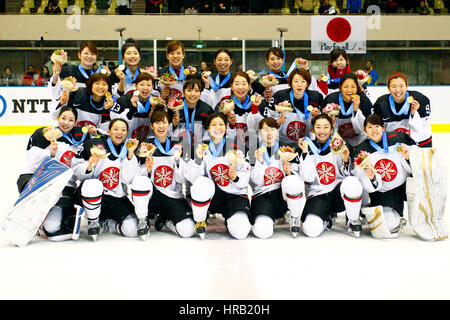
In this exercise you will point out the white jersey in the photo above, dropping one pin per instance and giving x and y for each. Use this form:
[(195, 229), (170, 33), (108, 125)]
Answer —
[(114, 172)]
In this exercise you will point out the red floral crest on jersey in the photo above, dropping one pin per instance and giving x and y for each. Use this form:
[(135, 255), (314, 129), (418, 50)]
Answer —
[(347, 131), (408, 132), (66, 158), (163, 176), (295, 130), (220, 174), (85, 123), (272, 175), (140, 133), (110, 177), (326, 172), (386, 169), (241, 132)]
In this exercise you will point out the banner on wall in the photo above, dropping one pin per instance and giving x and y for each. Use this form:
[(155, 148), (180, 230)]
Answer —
[(330, 32), (24, 106)]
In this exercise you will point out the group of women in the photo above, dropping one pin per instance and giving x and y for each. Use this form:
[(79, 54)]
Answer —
[(228, 148)]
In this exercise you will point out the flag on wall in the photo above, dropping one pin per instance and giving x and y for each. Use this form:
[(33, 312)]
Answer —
[(347, 32)]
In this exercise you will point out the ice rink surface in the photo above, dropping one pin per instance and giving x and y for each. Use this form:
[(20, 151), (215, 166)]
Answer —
[(333, 266)]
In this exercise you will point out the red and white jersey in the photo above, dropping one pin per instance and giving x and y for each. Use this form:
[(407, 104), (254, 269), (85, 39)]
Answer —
[(267, 176), (114, 172), (322, 172), (168, 175)]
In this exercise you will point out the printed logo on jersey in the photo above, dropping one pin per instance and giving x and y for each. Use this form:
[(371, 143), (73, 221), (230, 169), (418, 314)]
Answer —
[(66, 158), (110, 178), (140, 133), (220, 175), (295, 130), (408, 132), (347, 131), (272, 175), (2, 106), (163, 176), (326, 172), (84, 123), (241, 132), (386, 169)]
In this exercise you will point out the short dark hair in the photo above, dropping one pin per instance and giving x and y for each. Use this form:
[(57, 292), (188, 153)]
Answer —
[(130, 43), (68, 108), (374, 118), (225, 51), (353, 77), (191, 82), (115, 120), (240, 73), (90, 45), (173, 45), (270, 122), (275, 51), (301, 72), (97, 77), (322, 116), (216, 115), (335, 53), (159, 113), (144, 76)]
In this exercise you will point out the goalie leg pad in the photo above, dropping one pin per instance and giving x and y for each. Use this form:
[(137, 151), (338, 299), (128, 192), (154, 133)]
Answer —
[(377, 223)]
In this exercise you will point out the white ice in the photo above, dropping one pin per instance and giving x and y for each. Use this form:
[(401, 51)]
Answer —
[(333, 266)]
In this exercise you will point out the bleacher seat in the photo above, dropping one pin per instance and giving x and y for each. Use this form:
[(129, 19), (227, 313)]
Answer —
[(112, 7), (92, 8), (80, 3), (24, 10)]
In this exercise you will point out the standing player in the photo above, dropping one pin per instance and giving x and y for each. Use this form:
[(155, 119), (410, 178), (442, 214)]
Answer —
[(331, 188), (59, 223), (217, 85), (92, 103), (354, 108), (339, 65), (406, 111), (135, 107), (305, 104)]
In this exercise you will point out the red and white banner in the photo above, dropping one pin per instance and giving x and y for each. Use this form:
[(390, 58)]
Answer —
[(346, 32)]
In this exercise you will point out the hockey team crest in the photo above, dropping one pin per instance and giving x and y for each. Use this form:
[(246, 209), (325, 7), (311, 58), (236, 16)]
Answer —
[(386, 169), (163, 176), (273, 175), (66, 158), (37, 198), (220, 175), (326, 172), (110, 178), (295, 130)]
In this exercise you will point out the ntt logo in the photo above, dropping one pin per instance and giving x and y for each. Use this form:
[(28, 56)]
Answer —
[(2, 106)]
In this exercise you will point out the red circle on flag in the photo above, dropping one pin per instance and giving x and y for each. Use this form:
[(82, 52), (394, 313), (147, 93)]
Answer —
[(339, 29)]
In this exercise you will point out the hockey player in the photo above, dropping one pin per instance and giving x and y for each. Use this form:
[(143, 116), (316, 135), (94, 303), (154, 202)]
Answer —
[(175, 54), (384, 176), (354, 108), (331, 188), (87, 54), (243, 120), (189, 125), (160, 176), (217, 85), (58, 225), (305, 103), (135, 107), (276, 184), (104, 168), (223, 187), (124, 75), (92, 103), (404, 110), (339, 65)]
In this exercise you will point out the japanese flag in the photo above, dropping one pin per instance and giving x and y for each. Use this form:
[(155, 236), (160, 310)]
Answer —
[(346, 32)]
